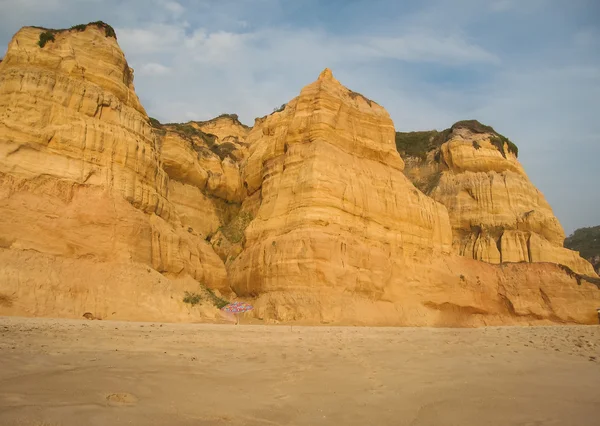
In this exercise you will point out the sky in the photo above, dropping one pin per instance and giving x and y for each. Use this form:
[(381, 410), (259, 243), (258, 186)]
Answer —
[(529, 68)]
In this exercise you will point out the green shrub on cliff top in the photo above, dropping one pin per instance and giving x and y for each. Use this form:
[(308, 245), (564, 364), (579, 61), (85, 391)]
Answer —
[(154, 122), (418, 144), (415, 144), (188, 131), (45, 37), (48, 33), (497, 139)]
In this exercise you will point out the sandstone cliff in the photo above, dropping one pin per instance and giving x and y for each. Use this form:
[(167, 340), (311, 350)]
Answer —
[(336, 211), (497, 214), (203, 160), (81, 179), (309, 213), (341, 235)]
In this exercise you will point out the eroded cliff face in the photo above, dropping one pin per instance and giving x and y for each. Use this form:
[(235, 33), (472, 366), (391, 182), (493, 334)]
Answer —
[(81, 179), (336, 212), (497, 214), (205, 184), (309, 213), (205, 180), (341, 235)]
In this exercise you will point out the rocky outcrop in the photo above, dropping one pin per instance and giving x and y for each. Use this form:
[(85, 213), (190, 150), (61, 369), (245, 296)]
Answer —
[(336, 211), (87, 125), (205, 182), (80, 170), (310, 213), (342, 236), (224, 127), (205, 189), (497, 214)]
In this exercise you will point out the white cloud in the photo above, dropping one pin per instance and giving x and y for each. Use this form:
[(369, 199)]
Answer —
[(153, 38), (267, 47), (428, 48), (153, 68), (175, 8)]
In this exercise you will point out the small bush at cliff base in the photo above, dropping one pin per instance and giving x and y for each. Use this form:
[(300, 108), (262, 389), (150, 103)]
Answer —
[(219, 302), (192, 298), (45, 37)]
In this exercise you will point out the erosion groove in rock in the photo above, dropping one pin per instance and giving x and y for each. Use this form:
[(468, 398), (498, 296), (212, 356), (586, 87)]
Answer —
[(108, 213)]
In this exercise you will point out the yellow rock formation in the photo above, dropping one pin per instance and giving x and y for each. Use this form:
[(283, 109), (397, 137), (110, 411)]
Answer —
[(342, 236), (205, 182), (336, 210), (497, 214), (80, 173), (309, 213)]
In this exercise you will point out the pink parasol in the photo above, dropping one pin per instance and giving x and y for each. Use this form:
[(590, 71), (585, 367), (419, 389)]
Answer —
[(237, 307)]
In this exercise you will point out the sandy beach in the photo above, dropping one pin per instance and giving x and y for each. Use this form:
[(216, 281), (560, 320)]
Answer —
[(71, 372)]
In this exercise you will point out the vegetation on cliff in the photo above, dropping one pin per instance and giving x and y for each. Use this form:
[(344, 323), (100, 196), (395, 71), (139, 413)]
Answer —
[(497, 139), (208, 295), (233, 117), (234, 230), (419, 144), (191, 133), (355, 95), (279, 108), (188, 131), (587, 242), (48, 34)]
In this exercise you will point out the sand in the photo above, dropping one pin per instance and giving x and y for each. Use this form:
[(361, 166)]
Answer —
[(71, 372)]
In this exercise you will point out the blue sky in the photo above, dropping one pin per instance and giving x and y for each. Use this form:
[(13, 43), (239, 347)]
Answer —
[(529, 68)]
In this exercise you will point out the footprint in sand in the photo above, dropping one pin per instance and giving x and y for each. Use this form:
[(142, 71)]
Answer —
[(121, 399)]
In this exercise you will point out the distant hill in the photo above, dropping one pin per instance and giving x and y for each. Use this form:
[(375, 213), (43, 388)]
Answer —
[(587, 242)]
